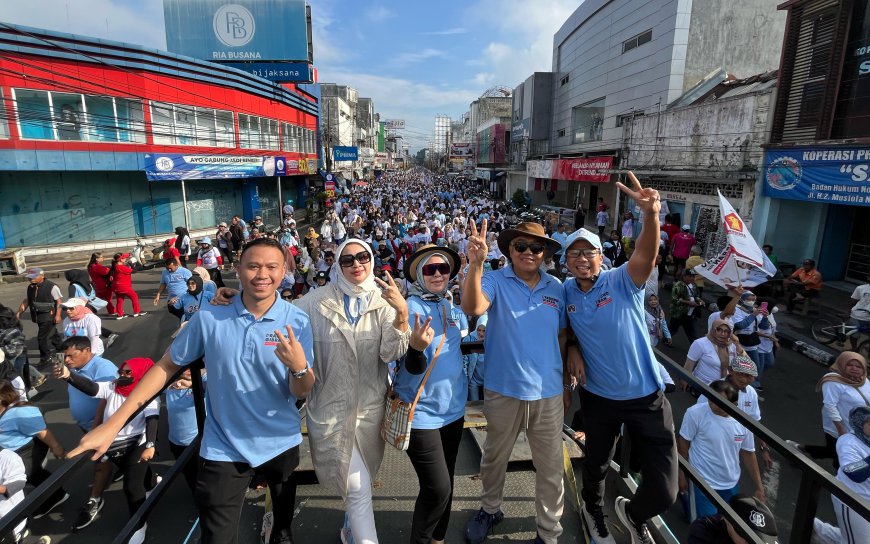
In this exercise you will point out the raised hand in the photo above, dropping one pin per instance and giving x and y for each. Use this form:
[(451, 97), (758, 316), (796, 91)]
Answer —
[(647, 199), (98, 439), (422, 334), (224, 296), (289, 351), (477, 250), (391, 293)]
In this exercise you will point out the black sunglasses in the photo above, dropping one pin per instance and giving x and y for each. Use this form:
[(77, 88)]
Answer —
[(535, 247), (346, 261), (287, 297), (431, 269)]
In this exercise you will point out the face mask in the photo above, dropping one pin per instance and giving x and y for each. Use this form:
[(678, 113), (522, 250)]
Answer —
[(749, 304), (124, 381)]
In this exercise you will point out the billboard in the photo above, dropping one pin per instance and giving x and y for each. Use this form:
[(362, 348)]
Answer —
[(175, 166), (279, 72), (345, 153), (819, 174), (238, 30), (393, 124), (461, 150), (590, 169)]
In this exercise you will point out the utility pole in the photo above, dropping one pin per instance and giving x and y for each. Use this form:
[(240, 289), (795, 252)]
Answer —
[(328, 140)]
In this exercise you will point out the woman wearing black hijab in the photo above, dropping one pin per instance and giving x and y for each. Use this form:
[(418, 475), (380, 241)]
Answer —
[(182, 244)]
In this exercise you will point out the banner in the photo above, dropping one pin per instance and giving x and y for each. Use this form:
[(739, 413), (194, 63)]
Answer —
[(819, 174), (461, 150), (174, 167), (345, 153), (727, 271), (590, 169), (540, 169), (394, 124), (739, 238)]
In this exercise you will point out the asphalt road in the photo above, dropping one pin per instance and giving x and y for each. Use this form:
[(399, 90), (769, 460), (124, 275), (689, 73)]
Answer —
[(791, 408)]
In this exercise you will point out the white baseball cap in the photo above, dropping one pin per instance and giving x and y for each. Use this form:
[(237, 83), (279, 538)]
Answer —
[(583, 234), (74, 302)]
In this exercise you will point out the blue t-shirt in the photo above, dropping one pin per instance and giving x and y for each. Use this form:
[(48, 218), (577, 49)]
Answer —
[(252, 415), (18, 426), (82, 407), (474, 363), (609, 324), (522, 335), (443, 399), (181, 415), (191, 304), (175, 282)]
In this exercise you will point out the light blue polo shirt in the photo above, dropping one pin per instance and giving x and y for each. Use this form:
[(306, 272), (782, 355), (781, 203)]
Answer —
[(443, 399), (609, 324), (175, 282), (522, 335), (181, 415), (18, 426), (82, 407), (252, 415)]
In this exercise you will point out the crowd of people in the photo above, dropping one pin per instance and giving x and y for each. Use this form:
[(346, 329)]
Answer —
[(375, 303)]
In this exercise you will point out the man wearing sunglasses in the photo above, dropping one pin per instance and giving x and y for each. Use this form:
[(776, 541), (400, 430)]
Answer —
[(523, 386), (619, 373)]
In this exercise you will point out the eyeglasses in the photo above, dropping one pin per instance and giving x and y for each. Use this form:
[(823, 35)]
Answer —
[(346, 261), (431, 269), (587, 253), (535, 247), (287, 297), (125, 372), (724, 330)]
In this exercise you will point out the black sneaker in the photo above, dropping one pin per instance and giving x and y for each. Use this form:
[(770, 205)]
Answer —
[(638, 532), (46, 508), (481, 525), (89, 513), (111, 339), (118, 477), (595, 525)]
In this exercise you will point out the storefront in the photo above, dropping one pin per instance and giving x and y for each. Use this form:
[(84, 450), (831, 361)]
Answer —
[(570, 183), (814, 204)]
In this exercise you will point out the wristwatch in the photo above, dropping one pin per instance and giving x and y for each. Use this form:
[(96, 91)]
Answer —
[(149, 445), (301, 374)]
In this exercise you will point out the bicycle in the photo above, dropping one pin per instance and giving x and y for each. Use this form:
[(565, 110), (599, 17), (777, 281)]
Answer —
[(827, 331)]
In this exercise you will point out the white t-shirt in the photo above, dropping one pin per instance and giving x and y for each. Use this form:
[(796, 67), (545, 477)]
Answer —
[(841, 398), (89, 326), (851, 450), (209, 258), (746, 401), (115, 400), (11, 470), (861, 309), (716, 444), (708, 367)]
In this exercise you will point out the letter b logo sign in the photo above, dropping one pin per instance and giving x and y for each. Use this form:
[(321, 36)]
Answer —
[(233, 25)]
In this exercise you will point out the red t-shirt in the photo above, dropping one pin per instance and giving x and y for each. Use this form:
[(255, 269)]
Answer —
[(682, 245), (671, 229)]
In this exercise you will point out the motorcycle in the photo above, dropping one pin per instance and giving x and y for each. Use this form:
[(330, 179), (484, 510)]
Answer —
[(142, 258)]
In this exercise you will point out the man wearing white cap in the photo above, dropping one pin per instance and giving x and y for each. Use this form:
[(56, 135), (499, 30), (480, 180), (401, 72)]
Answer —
[(622, 385), (43, 299)]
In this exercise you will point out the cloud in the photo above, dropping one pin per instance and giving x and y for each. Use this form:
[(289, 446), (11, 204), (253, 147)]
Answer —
[(378, 14), (447, 32), (418, 56), (483, 79)]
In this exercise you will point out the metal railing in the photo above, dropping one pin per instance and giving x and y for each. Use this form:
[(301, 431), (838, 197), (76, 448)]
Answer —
[(69, 467)]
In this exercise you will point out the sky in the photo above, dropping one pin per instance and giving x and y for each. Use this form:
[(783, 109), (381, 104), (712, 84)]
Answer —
[(414, 58)]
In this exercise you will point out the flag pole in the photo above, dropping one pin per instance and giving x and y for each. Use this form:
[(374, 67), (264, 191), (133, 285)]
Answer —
[(737, 269)]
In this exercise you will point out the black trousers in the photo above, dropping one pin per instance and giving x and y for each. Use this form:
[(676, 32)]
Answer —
[(216, 277), (191, 470), (688, 324), (138, 477), (48, 338), (650, 425), (177, 312), (433, 454), (220, 493), (33, 455), (828, 451)]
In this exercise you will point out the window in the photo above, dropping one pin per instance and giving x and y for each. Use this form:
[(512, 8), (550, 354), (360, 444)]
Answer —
[(587, 122), (226, 132), (185, 119), (564, 80), (821, 44), (162, 125), (206, 128), (34, 114), (68, 110), (560, 133), (131, 120), (811, 104), (258, 132), (174, 124), (637, 41), (100, 119)]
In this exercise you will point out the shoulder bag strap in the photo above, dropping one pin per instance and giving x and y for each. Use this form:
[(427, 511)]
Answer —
[(434, 359)]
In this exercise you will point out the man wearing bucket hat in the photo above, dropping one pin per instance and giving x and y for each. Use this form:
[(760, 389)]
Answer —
[(523, 385), (620, 376)]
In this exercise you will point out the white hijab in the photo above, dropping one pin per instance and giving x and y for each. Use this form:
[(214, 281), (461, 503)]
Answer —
[(360, 295)]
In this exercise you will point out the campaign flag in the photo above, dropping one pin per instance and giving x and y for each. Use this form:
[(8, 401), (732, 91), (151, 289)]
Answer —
[(743, 245), (729, 271)]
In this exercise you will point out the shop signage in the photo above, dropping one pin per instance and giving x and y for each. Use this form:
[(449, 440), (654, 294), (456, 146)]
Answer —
[(345, 153), (279, 72), (540, 169), (483, 173), (588, 169), (461, 150), (174, 167), (520, 130), (819, 174), (394, 124), (280, 166)]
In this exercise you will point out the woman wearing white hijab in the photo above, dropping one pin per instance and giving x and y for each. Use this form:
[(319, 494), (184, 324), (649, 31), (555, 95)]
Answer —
[(358, 327)]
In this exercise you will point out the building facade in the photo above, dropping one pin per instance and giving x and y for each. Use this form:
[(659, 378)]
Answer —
[(104, 140)]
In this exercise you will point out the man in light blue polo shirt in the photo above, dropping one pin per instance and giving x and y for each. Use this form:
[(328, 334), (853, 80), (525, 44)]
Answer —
[(173, 280), (255, 376), (524, 378), (619, 374)]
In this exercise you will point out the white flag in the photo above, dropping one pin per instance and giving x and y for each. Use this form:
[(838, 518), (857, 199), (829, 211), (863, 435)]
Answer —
[(728, 271), (743, 245)]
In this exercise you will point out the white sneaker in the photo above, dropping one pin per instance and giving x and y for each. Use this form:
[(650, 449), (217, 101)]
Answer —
[(637, 531), (595, 526), (139, 536)]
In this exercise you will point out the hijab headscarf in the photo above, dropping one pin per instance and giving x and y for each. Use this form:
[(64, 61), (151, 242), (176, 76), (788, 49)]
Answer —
[(198, 281), (139, 366), (79, 277), (180, 233), (744, 296), (657, 313), (202, 273), (857, 417), (419, 289), (77, 313), (721, 347), (838, 371), (357, 297)]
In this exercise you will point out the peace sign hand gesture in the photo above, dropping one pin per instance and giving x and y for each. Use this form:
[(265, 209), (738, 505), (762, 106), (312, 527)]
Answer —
[(421, 335), (648, 200), (390, 293), (289, 351), (477, 250)]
